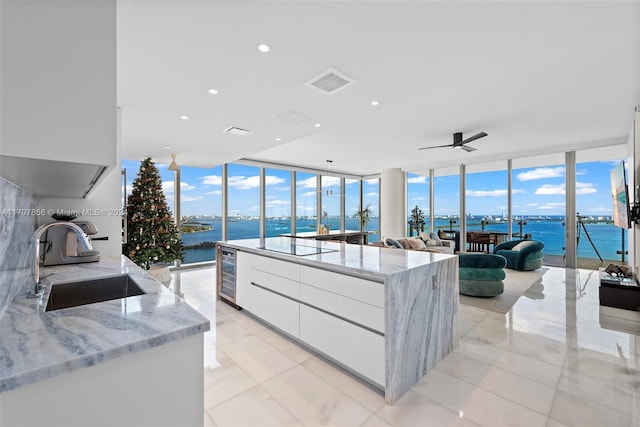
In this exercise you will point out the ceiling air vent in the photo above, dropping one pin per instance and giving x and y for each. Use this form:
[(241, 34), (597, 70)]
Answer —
[(237, 131), (330, 81)]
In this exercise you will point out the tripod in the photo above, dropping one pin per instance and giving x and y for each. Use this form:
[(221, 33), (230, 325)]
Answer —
[(579, 224)]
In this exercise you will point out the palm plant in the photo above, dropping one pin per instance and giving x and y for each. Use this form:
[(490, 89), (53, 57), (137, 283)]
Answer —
[(364, 215)]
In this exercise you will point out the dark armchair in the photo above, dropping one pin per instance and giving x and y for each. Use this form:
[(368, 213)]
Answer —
[(521, 254)]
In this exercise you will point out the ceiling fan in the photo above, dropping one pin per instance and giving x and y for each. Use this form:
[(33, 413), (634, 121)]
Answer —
[(458, 142)]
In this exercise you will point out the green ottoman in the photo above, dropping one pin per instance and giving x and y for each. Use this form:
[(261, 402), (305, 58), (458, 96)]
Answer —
[(481, 275)]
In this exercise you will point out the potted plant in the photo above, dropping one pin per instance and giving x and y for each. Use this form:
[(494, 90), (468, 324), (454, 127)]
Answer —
[(364, 216), (152, 236), (417, 221)]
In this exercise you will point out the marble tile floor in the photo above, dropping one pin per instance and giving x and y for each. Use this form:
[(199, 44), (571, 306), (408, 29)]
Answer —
[(556, 359)]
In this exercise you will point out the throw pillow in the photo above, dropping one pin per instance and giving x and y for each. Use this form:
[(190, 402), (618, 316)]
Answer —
[(404, 242), (431, 242), (424, 236), (393, 243), (435, 237), (520, 246), (417, 244)]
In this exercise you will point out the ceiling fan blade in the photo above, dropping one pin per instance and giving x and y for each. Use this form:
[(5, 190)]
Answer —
[(474, 137), (468, 149), (437, 146)]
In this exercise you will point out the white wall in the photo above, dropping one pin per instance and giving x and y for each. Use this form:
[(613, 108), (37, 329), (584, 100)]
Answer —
[(393, 216)]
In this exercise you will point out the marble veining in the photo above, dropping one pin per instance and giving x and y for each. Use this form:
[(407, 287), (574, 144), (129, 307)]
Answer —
[(420, 323), (16, 227), (36, 345)]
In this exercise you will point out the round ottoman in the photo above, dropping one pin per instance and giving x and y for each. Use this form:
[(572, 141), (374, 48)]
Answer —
[(481, 275)]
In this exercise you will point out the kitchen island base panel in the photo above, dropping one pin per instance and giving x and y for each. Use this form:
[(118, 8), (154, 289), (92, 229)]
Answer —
[(161, 386), (420, 323)]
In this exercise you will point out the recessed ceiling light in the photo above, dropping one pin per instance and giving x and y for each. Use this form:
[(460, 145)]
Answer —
[(278, 139), (184, 117), (317, 125), (167, 146), (264, 48), (375, 103), (213, 91)]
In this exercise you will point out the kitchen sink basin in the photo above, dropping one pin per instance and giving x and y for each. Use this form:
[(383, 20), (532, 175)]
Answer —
[(82, 292)]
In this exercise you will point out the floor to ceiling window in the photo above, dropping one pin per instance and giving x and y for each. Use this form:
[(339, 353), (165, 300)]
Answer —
[(371, 198), (417, 197), (538, 201), (330, 197), (201, 212), (352, 203), (597, 235), (306, 202), (446, 203), (277, 202), (243, 198), (486, 201)]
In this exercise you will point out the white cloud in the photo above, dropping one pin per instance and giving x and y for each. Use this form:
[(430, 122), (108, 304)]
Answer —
[(307, 183), (348, 181), (417, 180), (168, 186), (190, 198), (559, 190), (372, 181), (214, 192), (531, 204), (330, 181), (244, 183), (550, 206), (372, 194), (272, 180), (541, 173), (308, 194), (272, 203), (417, 199), (301, 208), (585, 188), (211, 180), (550, 190), (491, 193)]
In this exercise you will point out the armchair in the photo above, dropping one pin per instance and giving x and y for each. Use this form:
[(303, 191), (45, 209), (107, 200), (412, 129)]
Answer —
[(523, 255)]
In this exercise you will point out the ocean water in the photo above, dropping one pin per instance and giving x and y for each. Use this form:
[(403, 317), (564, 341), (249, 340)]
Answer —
[(606, 238)]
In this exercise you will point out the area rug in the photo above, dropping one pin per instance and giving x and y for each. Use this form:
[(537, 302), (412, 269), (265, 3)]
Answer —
[(515, 285)]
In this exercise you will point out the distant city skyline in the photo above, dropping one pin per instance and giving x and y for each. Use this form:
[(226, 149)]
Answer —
[(536, 191)]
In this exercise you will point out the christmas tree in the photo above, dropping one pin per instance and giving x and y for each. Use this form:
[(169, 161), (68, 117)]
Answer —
[(152, 237)]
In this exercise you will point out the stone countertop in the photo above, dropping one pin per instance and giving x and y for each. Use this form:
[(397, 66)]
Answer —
[(35, 345), (370, 262)]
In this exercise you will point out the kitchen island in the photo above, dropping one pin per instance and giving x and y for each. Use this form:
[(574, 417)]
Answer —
[(385, 315), (128, 361)]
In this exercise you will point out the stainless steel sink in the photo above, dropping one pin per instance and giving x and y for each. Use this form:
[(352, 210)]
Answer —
[(82, 292)]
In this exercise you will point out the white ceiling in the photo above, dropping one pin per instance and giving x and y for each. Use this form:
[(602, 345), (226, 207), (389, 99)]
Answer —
[(538, 77)]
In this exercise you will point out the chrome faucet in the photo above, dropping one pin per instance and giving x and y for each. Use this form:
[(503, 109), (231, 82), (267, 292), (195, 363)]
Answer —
[(84, 241)]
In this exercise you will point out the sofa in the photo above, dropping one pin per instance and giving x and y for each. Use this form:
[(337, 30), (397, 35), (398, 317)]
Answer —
[(523, 255), (481, 275), (427, 242)]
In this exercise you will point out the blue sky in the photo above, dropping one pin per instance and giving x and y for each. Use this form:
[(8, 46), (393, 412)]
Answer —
[(536, 191)]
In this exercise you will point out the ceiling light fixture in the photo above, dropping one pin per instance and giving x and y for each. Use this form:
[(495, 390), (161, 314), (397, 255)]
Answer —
[(173, 166), (317, 125), (213, 91), (264, 48), (184, 117), (167, 146), (375, 103), (278, 139)]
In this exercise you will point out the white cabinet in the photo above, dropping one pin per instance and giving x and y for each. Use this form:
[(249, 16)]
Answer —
[(358, 349), (340, 316)]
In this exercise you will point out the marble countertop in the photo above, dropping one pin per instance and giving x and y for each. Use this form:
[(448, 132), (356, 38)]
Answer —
[(311, 234), (35, 345), (370, 262)]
